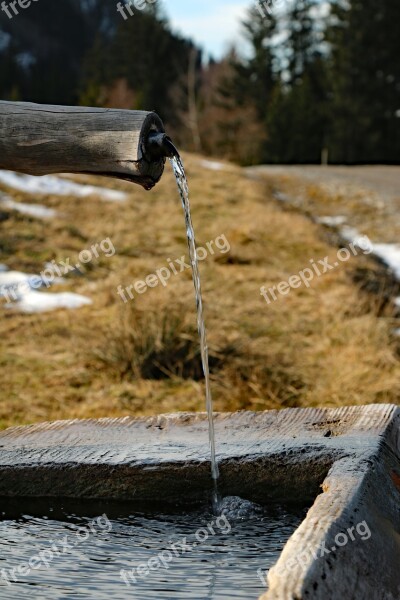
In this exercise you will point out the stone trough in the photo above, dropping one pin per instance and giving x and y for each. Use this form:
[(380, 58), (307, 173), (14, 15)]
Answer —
[(346, 461)]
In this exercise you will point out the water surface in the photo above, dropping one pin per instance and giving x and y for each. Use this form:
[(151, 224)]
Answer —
[(212, 557)]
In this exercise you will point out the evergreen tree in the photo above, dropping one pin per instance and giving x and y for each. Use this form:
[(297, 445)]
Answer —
[(229, 129), (253, 80), (298, 115), (365, 76), (47, 43), (255, 75), (146, 56), (296, 89)]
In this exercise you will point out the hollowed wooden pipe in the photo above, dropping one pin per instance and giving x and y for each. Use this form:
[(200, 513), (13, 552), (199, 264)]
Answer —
[(41, 139)]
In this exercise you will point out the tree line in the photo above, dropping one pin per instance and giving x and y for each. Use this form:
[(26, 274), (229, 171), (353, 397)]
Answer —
[(310, 80)]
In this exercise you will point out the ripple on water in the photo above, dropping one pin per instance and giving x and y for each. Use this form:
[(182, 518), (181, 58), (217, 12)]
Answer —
[(213, 557)]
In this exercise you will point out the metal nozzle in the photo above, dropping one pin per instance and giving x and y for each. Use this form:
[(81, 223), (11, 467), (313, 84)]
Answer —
[(159, 145)]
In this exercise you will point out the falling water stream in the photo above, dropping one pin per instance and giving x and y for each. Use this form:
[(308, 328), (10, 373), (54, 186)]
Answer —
[(181, 181)]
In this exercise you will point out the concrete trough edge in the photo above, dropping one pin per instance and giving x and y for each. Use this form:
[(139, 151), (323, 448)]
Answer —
[(326, 558), (359, 446)]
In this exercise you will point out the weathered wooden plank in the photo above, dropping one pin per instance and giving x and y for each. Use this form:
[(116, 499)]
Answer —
[(42, 139)]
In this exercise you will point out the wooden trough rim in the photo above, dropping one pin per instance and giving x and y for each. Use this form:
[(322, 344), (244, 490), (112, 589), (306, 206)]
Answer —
[(357, 449), (361, 418)]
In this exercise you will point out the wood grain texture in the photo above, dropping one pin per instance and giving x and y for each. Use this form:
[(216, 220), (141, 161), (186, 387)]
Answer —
[(42, 139)]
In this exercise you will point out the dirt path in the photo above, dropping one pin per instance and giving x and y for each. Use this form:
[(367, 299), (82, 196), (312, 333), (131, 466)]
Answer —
[(383, 180), (351, 200), (368, 197)]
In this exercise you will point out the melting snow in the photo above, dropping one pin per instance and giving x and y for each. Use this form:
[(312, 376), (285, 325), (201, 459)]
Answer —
[(13, 280), (212, 165), (49, 184), (33, 210), (332, 221), (19, 290), (34, 302), (390, 255), (350, 234), (20, 282)]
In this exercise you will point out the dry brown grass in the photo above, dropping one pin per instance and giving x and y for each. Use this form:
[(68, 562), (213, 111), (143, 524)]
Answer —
[(322, 346)]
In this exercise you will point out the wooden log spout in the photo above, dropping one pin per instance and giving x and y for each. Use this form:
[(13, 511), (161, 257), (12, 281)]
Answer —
[(39, 139)]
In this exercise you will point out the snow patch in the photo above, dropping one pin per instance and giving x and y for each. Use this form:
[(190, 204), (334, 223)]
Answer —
[(350, 234), (390, 255), (13, 280), (332, 221), (212, 165), (21, 283), (33, 210), (37, 302), (19, 289), (51, 185)]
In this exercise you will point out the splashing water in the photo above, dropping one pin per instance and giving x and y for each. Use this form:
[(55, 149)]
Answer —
[(181, 181)]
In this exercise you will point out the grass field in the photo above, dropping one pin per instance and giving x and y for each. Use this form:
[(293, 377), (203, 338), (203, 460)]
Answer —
[(326, 345)]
